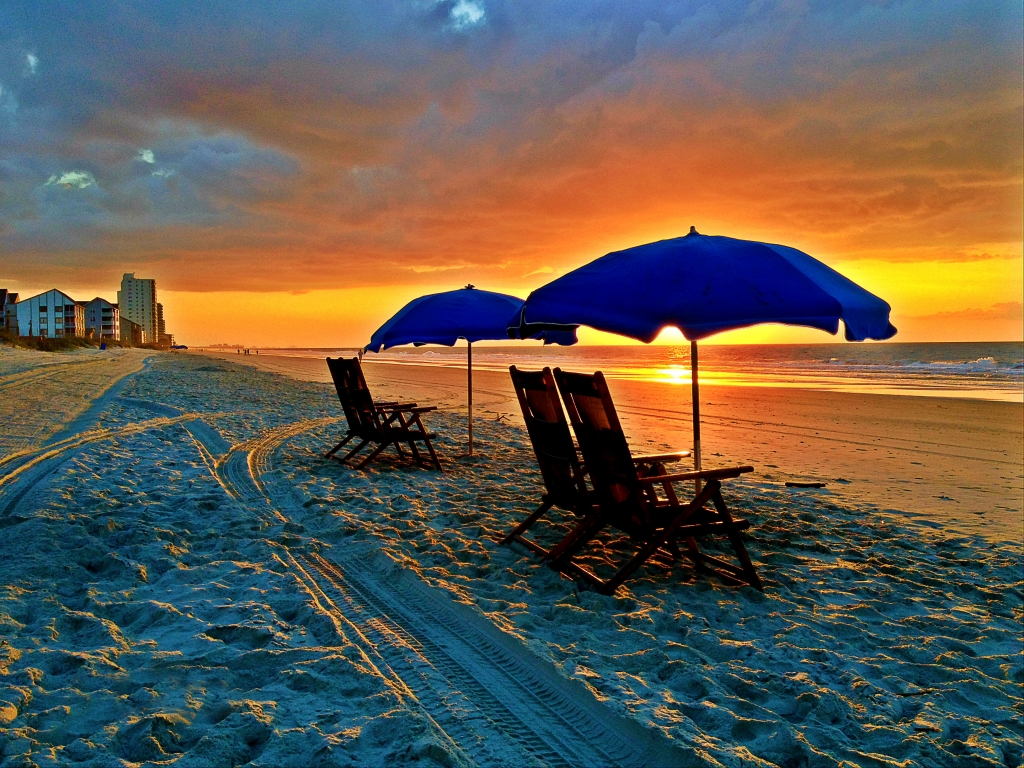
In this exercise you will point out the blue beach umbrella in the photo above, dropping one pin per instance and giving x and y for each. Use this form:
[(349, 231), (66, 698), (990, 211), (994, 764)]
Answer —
[(703, 285), (467, 313)]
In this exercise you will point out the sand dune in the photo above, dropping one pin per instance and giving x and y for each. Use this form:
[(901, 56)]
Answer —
[(187, 581)]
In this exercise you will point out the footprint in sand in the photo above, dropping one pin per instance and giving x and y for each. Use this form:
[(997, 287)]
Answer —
[(238, 634)]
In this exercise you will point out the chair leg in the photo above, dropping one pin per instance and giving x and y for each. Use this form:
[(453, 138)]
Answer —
[(430, 446), (433, 455), (737, 544), (373, 454), (567, 548), (534, 517), (415, 453), (353, 452), (334, 450), (656, 541), (404, 424)]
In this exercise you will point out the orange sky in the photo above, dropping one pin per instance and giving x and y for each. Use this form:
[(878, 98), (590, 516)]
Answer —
[(295, 180)]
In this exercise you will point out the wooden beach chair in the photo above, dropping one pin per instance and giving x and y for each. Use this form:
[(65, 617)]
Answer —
[(627, 496), (383, 423), (564, 483), (563, 473)]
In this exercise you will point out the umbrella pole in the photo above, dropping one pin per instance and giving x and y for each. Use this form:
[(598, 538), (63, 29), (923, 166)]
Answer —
[(696, 411), (469, 387)]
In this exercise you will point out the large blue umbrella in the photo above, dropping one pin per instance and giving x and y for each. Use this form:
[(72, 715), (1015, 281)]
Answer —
[(703, 285), (467, 313)]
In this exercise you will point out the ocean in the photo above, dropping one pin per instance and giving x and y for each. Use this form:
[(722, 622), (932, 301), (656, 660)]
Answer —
[(974, 370)]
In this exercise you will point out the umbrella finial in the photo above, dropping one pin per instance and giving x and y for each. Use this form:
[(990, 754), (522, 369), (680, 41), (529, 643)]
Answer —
[(470, 286), (693, 230)]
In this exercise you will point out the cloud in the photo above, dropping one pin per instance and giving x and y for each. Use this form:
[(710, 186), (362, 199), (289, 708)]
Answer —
[(321, 145), (1010, 311), (8, 103), (72, 180), (420, 269), (466, 13), (1000, 322), (31, 63)]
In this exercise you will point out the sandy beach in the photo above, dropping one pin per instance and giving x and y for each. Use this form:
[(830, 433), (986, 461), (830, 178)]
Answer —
[(958, 463), (187, 581)]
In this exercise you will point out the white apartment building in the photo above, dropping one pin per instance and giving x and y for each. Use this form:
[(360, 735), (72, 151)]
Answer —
[(137, 302), (8, 311), (51, 314), (102, 320)]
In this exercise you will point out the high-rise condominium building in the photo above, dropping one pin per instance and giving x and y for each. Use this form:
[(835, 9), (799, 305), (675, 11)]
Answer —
[(137, 302), (161, 328)]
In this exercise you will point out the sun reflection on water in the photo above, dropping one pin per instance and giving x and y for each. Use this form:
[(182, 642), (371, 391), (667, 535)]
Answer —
[(675, 374)]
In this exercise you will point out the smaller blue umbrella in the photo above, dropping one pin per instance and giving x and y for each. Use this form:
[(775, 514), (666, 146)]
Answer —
[(467, 313)]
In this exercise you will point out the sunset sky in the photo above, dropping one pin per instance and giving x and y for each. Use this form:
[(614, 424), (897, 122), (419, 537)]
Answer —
[(291, 173)]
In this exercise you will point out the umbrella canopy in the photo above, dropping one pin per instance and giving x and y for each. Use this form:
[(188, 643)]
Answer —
[(466, 313), (703, 285), (444, 318)]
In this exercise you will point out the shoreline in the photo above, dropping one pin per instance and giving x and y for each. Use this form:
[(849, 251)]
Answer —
[(851, 377), (956, 462)]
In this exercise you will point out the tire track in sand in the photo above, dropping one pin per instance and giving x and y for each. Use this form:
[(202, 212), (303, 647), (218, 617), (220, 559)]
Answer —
[(58, 400), (239, 471), (46, 371), (492, 697), (38, 464)]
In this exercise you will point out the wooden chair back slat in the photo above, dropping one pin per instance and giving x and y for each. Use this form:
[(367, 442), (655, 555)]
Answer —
[(551, 438), (613, 473), (356, 401)]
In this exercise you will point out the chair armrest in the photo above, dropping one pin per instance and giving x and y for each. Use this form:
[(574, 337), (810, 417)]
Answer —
[(704, 474), (392, 404), (421, 409), (651, 458)]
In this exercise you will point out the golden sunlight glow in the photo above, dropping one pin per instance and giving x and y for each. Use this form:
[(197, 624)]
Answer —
[(676, 374), (329, 318), (931, 301), (927, 287)]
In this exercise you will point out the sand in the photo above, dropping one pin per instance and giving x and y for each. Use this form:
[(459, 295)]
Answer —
[(44, 393), (958, 463), (186, 581)]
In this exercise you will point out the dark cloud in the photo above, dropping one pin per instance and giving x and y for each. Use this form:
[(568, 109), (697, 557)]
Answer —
[(319, 144)]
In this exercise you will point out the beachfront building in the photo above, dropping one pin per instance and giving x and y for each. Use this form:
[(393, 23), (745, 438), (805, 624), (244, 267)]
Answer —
[(8, 311), (102, 320), (131, 333), (51, 314), (137, 302), (161, 328)]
